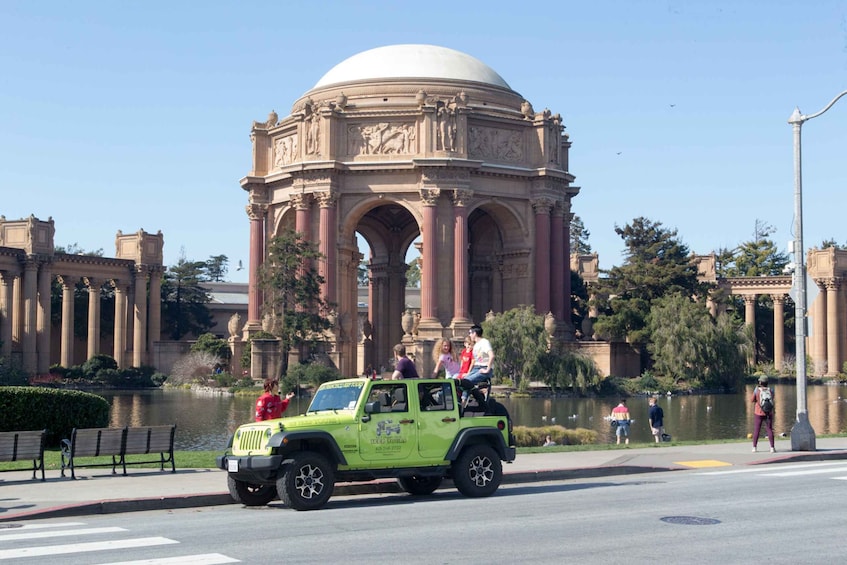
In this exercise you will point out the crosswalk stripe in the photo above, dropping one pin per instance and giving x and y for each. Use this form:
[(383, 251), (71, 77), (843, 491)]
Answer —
[(760, 469), (61, 533), (201, 559), (839, 478), (39, 526), (83, 547), (804, 472)]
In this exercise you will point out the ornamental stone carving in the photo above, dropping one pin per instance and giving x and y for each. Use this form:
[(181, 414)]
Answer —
[(313, 134), (429, 196), (234, 325), (462, 197), (382, 139), (494, 144), (446, 116), (285, 150)]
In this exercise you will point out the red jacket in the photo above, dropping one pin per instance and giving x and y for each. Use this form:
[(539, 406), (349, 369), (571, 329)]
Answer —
[(270, 406)]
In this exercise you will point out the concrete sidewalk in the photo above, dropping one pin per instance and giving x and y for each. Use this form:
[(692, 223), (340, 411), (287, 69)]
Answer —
[(97, 491)]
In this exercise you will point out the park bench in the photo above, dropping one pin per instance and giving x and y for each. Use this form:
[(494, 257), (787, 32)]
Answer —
[(22, 446), (117, 443)]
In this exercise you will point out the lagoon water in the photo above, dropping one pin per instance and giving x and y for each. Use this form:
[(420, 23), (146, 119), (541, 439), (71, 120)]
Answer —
[(205, 421)]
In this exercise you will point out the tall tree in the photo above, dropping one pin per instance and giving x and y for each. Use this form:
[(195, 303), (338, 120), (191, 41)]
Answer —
[(216, 268), (413, 273), (184, 300), (579, 237), (656, 263), (689, 345), (292, 288)]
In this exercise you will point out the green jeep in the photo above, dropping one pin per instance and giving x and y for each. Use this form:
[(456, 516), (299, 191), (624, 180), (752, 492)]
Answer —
[(360, 430)]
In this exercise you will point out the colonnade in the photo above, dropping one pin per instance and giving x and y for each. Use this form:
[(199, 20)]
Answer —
[(28, 268)]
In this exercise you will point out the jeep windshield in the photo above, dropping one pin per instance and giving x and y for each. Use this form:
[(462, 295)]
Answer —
[(337, 396)]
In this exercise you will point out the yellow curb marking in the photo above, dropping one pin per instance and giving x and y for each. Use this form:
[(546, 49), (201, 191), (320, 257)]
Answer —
[(704, 463)]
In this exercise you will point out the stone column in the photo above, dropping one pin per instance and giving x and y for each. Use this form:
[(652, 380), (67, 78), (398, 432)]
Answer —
[(30, 290), (819, 332), (542, 207), (67, 352), (154, 310), (45, 280), (7, 288), (778, 330), (750, 320), (93, 316), (329, 245), (461, 304), (139, 331), (559, 258), (256, 213), (120, 323), (832, 327), (429, 268)]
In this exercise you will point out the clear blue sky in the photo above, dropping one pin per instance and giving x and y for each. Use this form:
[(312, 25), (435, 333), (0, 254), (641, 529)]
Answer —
[(119, 115)]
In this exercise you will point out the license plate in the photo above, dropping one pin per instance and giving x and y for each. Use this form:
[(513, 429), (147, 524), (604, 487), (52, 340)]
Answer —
[(232, 465)]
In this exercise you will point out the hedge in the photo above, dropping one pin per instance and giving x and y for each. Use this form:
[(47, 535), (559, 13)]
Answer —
[(58, 411)]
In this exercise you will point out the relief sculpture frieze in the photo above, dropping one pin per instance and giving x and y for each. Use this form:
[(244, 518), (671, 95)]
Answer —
[(494, 144), (285, 151), (382, 139)]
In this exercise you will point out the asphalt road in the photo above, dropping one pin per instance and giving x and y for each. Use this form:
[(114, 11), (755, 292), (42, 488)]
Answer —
[(781, 513)]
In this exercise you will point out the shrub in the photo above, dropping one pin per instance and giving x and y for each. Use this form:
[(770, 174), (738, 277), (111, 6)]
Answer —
[(96, 364), (195, 367), (57, 411), (534, 437), (211, 344), (308, 375), (11, 374)]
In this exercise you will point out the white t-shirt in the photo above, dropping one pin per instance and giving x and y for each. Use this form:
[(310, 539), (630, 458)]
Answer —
[(482, 353)]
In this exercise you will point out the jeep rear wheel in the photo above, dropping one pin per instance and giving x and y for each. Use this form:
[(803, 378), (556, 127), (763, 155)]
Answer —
[(420, 485), (250, 494), (477, 472), (307, 482)]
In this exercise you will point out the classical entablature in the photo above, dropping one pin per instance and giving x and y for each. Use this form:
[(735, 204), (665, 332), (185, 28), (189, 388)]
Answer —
[(413, 141), (28, 267)]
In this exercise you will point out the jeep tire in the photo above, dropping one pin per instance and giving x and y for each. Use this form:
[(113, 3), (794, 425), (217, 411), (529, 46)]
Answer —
[(307, 481), (478, 471), (250, 494), (420, 485)]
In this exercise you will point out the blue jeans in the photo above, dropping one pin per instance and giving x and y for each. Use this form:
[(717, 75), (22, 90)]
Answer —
[(474, 377)]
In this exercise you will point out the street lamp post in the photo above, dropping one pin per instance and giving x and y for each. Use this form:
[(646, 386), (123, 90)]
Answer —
[(802, 434)]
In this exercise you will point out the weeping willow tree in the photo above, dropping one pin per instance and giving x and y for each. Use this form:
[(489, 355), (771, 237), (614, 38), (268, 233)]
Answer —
[(521, 353)]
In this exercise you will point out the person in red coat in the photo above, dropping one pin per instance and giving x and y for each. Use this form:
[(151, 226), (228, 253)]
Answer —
[(270, 406)]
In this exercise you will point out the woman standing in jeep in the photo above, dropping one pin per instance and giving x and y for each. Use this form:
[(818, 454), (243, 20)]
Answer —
[(762, 411)]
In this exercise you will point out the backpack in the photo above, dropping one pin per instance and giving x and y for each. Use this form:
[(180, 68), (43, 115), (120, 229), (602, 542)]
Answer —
[(766, 400)]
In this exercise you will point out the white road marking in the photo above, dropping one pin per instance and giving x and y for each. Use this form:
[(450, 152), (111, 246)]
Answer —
[(763, 469), (83, 547), (14, 535), (200, 559)]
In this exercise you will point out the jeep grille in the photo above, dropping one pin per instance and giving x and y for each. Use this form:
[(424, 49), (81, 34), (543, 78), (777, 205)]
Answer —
[(252, 439)]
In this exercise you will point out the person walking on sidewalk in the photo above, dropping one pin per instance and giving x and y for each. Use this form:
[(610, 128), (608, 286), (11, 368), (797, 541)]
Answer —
[(762, 400), (620, 414), (656, 417)]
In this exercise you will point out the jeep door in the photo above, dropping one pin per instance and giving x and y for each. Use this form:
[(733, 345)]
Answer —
[(438, 423), (391, 434)]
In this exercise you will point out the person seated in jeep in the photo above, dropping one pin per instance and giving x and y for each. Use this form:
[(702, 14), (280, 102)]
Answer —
[(483, 357)]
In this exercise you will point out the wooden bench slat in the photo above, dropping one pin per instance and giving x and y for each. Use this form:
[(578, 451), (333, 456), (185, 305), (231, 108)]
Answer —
[(23, 446), (118, 443)]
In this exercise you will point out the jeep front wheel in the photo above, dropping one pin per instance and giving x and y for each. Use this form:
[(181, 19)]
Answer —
[(477, 472), (307, 482), (420, 485), (250, 494)]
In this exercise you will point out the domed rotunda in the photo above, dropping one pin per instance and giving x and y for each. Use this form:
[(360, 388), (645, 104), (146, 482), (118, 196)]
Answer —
[(416, 141)]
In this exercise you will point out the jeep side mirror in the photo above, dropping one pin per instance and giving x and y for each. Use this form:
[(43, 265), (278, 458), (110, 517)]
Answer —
[(372, 407)]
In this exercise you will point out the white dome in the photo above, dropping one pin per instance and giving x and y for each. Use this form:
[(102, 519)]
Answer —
[(411, 62)]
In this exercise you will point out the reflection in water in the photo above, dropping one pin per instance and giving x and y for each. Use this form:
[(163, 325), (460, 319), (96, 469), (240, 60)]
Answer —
[(205, 421)]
